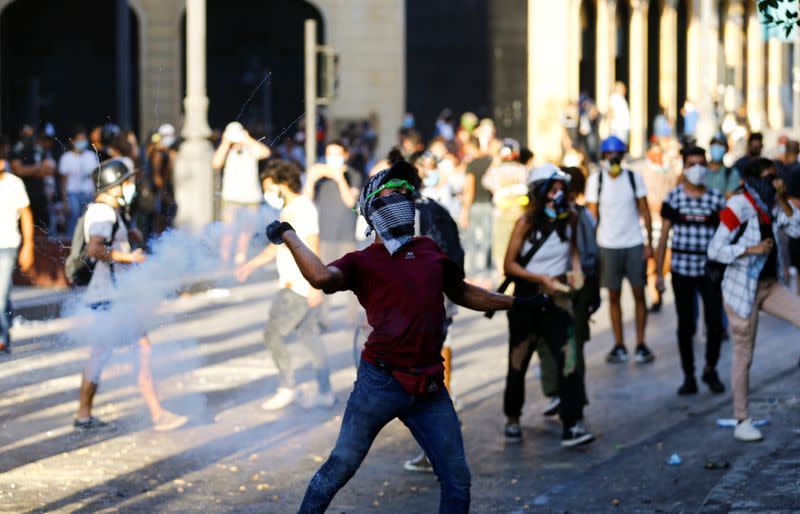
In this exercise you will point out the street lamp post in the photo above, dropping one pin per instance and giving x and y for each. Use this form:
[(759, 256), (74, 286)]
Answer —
[(194, 192)]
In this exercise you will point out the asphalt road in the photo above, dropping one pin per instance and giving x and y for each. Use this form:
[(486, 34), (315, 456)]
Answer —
[(235, 457)]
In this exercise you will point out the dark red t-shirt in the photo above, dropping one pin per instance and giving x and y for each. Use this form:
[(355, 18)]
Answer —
[(403, 295)]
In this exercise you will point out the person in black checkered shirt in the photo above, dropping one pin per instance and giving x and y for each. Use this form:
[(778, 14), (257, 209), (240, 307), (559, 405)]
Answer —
[(691, 213)]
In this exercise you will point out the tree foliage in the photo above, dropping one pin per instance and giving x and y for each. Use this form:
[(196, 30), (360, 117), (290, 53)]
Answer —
[(782, 16)]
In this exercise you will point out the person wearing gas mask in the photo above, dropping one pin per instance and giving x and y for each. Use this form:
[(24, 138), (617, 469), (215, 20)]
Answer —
[(295, 308), (720, 177), (401, 281), (747, 241), (617, 198), (75, 168), (690, 213), (543, 258), (108, 246), (237, 156)]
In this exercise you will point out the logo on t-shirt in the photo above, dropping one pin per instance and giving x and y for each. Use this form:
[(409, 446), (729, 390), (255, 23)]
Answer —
[(410, 255)]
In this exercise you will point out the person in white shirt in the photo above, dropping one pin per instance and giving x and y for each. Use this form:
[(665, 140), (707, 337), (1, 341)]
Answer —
[(108, 247), (295, 307), (237, 156), (75, 168), (15, 210), (619, 113), (617, 198)]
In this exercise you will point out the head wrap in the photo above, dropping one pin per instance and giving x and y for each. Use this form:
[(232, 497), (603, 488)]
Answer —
[(392, 216)]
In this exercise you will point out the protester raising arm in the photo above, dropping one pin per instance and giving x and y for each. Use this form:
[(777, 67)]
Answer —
[(327, 278)]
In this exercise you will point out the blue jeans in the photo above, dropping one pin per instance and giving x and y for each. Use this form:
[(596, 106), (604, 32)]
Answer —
[(77, 204), (377, 399), (8, 260)]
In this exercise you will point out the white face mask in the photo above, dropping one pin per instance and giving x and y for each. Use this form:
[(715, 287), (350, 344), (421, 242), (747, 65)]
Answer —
[(128, 190), (696, 174), (335, 161), (274, 200)]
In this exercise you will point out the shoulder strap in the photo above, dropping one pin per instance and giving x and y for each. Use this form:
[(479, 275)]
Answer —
[(537, 242), (632, 180), (739, 233)]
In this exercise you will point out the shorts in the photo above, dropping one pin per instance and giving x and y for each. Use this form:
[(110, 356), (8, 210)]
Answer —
[(242, 216), (619, 263)]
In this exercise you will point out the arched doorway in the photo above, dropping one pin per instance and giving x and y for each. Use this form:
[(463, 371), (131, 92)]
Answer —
[(59, 64), (255, 63), (588, 60), (622, 57)]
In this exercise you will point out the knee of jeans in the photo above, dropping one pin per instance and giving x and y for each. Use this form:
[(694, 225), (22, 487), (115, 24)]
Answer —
[(341, 465), (457, 478)]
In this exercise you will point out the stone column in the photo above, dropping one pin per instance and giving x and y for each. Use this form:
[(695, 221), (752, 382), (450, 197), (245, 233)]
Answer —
[(193, 174), (755, 73), (638, 77), (776, 78), (668, 53), (734, 49), (709, 42), (694, 71), (606, 38), (547, 21)]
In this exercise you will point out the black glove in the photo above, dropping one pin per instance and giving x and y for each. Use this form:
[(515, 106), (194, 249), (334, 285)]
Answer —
[(275, 231), (536, 303)]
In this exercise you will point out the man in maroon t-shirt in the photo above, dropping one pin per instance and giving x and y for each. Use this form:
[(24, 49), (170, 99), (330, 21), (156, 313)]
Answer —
[(401, 281)]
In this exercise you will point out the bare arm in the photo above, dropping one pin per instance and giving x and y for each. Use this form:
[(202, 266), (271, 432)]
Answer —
[(26, 249), (97, 250), (644, 211), (262, 150), (477, 299), (312, 176), (661, 251), (593, 209), (220, 154), (513, 268), (327, 278), (349, 195), (469, 199)]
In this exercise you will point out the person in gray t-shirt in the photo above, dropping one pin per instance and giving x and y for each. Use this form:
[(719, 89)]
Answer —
[(334, 187)]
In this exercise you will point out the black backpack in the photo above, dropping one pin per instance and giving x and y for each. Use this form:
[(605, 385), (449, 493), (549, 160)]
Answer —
[(78, 267)]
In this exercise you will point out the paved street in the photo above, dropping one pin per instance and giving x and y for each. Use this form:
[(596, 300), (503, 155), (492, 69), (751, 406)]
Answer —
[(235, 457)]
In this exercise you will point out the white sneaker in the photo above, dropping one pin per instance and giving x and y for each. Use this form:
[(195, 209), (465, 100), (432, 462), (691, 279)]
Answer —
[(552, 407), (745, 431), (280, 400), (326, 400)]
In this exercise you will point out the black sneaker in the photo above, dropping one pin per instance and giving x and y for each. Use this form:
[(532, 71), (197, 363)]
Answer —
[(576, 436), (91, 423), (713, 382), (513, 432), (655, 308), (643, 354), (617, 355), (552, 407), (689, 386)]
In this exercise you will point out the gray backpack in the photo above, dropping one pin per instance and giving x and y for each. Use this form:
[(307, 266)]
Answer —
[(79, 267)]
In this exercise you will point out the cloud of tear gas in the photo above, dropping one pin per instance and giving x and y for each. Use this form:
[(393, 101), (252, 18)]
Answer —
[(140, 303)]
